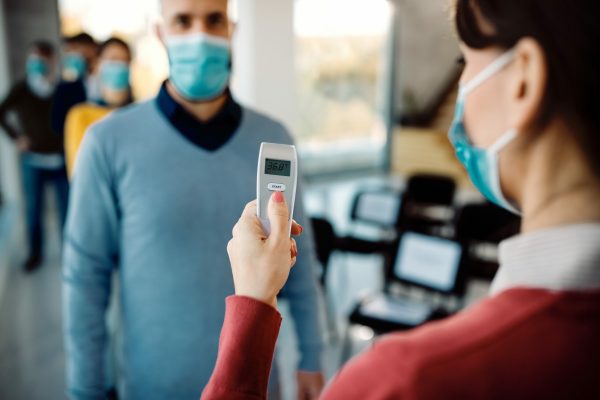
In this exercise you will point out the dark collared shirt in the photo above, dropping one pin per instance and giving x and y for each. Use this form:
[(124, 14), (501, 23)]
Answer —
[(209, 135)]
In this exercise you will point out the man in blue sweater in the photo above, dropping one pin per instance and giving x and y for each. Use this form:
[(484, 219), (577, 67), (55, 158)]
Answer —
[(156, 189)]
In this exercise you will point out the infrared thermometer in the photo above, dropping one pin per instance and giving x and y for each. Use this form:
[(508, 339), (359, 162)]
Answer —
[(277, 172)]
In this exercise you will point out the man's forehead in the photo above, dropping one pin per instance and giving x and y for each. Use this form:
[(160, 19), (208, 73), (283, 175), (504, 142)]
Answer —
[(194, 6)]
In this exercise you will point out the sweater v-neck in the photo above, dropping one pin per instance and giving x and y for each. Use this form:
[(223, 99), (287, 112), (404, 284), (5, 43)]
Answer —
[(209, 135)]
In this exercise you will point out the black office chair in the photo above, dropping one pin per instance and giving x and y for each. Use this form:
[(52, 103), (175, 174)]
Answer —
[(427, 204), (431, 188), (325, 242), (480, 227)]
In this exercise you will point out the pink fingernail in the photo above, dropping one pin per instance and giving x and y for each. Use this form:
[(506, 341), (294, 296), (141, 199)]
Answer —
[(278, 197)]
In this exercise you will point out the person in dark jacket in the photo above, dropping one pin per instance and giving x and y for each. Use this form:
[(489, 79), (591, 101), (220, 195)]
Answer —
[(29, 102), (79, 84)]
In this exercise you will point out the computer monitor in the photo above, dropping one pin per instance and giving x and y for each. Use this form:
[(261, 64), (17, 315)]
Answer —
[(381, 208), (428, 261)]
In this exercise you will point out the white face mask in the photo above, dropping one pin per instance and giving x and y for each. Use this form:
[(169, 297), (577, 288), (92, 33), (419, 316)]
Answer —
[(40, 86), (38, 75)]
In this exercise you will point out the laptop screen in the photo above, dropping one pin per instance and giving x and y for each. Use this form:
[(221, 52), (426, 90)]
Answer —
[(378, 207), (428, 261)]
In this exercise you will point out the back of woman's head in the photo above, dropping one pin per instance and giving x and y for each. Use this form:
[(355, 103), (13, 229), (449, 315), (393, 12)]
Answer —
[(569, 34)]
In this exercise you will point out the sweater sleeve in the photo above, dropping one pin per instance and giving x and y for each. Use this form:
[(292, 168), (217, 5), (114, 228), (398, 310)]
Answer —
[(246, 349), (90, 253), (301, 292), (6, 107)]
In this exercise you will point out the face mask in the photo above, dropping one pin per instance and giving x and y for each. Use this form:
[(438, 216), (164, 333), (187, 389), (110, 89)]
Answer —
[(37, 66), (200, 65), (114, 75), (37, 71), (93, 88), (482, 164), (74, 66)]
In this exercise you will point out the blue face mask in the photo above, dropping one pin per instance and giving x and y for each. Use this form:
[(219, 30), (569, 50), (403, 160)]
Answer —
[(37, 66), (482, 164), (38, 79), (114, 75), (200, 65), (74, 66)]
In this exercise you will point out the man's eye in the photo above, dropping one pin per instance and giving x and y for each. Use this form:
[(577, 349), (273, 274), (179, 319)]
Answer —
[(216, 19), (182, 21), (460, 61)]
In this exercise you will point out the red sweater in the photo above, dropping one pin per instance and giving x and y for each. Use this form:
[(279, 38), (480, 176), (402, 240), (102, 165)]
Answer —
[(520, 344)]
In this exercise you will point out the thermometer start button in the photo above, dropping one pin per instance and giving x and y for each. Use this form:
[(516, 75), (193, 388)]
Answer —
[(276, 187)]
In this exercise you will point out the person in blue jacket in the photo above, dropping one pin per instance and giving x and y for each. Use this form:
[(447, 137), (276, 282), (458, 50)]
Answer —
[(155, 191)]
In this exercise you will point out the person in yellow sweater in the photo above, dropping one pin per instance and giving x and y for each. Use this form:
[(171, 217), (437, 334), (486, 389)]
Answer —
[(114, 59)]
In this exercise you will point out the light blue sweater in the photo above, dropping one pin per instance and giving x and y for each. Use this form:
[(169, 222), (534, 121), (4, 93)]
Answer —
[(159, 210)]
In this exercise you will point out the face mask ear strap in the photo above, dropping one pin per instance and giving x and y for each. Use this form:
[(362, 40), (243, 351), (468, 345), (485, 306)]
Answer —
[(489, 71), (503, 141)]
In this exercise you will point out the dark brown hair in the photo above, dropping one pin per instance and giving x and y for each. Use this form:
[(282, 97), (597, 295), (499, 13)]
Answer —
[(115, 41), (569, 34), (82, 38), (44, 48)]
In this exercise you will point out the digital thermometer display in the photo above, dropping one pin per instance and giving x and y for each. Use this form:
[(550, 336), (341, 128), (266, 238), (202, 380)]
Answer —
[(277, 167), (277, 172)]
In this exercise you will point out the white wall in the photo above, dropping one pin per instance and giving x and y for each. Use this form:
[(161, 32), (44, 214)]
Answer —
[(427, 49), (264, 58), (9, 171)]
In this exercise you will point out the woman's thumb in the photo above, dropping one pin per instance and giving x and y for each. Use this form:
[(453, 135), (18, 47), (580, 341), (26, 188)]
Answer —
[(279, 215)]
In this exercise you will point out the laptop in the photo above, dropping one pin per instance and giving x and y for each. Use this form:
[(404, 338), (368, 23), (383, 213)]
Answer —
[(426, 261)]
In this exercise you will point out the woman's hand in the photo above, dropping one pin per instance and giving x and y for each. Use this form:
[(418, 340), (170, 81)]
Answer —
[(23, 144), (260, 264)]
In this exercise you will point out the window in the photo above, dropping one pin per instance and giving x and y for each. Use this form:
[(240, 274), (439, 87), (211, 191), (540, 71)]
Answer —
[(342, 65)]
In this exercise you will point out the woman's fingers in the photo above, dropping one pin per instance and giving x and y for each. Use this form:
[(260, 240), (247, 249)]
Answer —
[(261, 265), (249, 210), (293, 249), (296, 228), (248, 222)]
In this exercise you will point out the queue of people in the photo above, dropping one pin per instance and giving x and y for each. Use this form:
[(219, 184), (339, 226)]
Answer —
[(33, 115)]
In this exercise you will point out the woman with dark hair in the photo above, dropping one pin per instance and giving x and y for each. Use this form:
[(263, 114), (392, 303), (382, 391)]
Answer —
[(527, 130), (112, 70)]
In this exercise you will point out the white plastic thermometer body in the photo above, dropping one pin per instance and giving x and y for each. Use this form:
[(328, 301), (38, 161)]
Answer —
[(277, 172)]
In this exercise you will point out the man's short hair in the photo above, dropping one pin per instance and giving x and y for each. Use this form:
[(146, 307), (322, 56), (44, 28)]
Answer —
[(83, 38), (43, 47)]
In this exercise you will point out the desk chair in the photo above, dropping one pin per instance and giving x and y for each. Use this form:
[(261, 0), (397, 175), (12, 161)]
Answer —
[(427, 203), (480, 227)]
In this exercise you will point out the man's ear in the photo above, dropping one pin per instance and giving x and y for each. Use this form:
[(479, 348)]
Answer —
[(527, 83), (232, 29), (159, 32)]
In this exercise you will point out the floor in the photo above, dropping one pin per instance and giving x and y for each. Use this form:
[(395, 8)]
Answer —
[(31, 350)]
